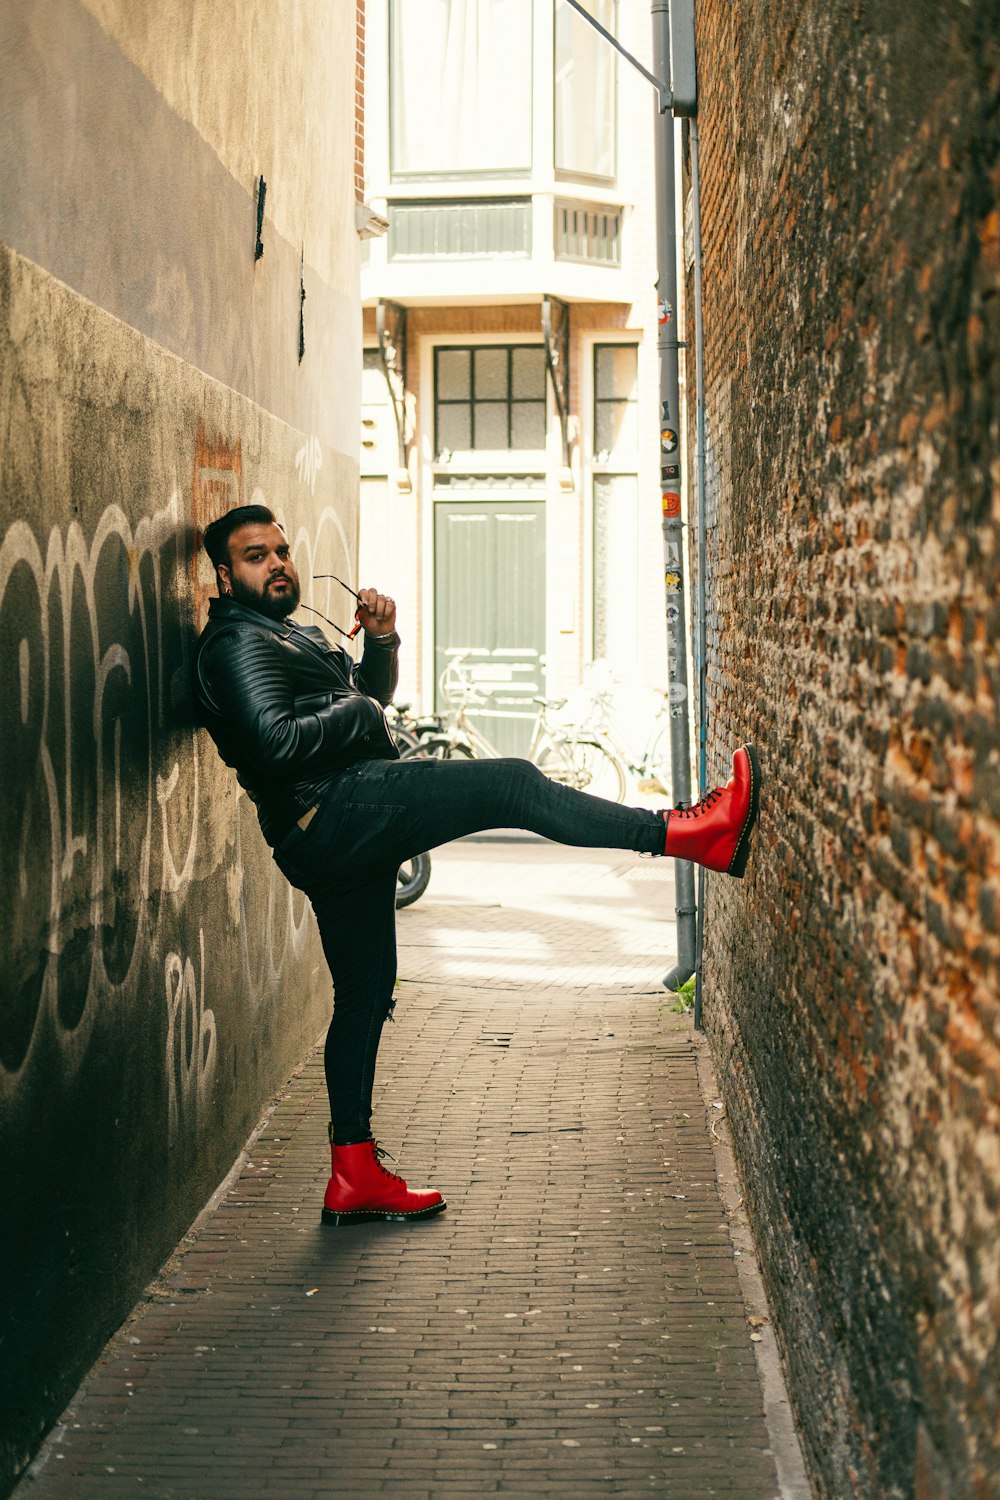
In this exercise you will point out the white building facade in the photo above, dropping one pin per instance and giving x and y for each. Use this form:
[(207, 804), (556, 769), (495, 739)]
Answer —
[(510, 494)]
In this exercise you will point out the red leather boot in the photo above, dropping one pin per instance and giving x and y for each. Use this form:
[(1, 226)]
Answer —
[(716, 832), (361, 1188)]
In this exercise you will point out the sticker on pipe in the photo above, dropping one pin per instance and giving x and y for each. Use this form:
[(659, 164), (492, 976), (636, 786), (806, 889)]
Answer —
[(671, 502), (668, 440), (672, 581), (664, 311)]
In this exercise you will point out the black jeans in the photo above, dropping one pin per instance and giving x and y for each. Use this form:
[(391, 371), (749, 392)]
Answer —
[(375, 816)]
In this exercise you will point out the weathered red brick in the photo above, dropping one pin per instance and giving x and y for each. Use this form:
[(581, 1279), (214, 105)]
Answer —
[(852, 326)]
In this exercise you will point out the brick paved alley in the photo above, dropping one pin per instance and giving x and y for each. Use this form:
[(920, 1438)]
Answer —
[(573, 1324)]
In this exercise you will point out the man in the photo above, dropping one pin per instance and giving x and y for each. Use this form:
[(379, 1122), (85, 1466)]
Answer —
[(303, 727)]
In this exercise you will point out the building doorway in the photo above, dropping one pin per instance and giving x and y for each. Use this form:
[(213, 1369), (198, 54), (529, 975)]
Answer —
[(489, 592)]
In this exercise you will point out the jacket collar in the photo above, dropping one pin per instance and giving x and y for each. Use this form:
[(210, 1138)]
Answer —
[(224, 610)]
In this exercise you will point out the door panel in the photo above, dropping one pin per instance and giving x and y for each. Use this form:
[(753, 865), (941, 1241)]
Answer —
[(490, 606)]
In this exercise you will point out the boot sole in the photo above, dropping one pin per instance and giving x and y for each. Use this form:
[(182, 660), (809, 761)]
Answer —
[(339, 1218), (738, 863)]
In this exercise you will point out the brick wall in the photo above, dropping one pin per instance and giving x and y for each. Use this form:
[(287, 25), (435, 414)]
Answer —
[(850, 158)]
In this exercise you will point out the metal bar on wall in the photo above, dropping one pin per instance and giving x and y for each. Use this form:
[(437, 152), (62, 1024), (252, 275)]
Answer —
[(555, 331), (390, 326), (662, 89)]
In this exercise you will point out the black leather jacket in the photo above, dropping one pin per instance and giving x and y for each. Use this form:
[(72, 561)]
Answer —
[(287, 710)]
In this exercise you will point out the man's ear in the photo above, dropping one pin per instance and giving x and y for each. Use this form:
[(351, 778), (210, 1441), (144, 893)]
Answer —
[(223, 579)]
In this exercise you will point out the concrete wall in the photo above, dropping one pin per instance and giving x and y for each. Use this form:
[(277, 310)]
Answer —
[(159, 979), (851, 162)]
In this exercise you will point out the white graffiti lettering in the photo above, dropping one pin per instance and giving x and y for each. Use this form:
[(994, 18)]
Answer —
[(191, 1040), (105, 828), (308, 462)]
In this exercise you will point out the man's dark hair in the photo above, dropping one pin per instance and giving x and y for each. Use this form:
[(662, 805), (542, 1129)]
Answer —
[(216, 537)]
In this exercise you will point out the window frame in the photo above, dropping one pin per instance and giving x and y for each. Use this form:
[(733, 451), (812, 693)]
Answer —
[(613, 464), (569, 174), (398, 175), (472, 348), (621, 466)]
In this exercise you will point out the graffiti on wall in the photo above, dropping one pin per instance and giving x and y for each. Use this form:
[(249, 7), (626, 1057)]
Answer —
[(191, 1039), (96, 809), (308, 462), (107, 827)]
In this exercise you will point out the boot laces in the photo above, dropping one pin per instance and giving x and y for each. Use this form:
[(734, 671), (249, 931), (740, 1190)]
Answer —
[(700, 808), (382, 1155)]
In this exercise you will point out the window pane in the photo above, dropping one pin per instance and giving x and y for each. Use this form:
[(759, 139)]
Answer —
[(528, 379), (453, 375), (585, 77), (461, 86), (616, 431), (616, 371), (454, 427), (616, 551), (528, 425), (490, 418), (491, 424), (491, 374)]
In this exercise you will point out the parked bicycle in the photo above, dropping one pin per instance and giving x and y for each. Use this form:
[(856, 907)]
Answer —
[(599, 705), (412, 880), (575, 756), (408, 731), (414, 876)]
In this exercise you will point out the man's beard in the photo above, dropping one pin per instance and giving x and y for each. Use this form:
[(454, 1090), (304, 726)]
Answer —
[(275, 606)]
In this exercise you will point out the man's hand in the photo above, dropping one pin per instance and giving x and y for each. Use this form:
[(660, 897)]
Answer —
[(376, 612)]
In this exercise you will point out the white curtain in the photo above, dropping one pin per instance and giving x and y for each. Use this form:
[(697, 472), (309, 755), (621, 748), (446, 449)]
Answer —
[(461, 86), (585, 73)]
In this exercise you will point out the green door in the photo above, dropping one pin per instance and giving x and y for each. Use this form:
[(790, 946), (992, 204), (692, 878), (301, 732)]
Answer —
[(489, 607)]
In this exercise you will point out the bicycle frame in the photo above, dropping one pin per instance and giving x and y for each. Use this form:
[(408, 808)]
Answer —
[(602, 723), (563, 753)]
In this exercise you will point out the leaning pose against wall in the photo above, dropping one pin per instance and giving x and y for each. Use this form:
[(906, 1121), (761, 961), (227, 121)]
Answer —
[(158, 977)]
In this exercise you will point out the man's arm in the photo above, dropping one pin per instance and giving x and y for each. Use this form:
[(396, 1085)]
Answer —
[(378, 670), (251, 691)]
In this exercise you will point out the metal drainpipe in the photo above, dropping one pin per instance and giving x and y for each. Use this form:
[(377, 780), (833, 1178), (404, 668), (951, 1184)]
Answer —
[(701, 632), (673, 525)]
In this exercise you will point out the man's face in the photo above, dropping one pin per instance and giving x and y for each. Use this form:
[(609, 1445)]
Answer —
[(261, 573)]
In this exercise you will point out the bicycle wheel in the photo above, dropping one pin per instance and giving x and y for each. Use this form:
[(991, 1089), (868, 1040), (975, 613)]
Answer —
[(412, 880), (404, 739), (586, 765), (658, 761), (438, 747)]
